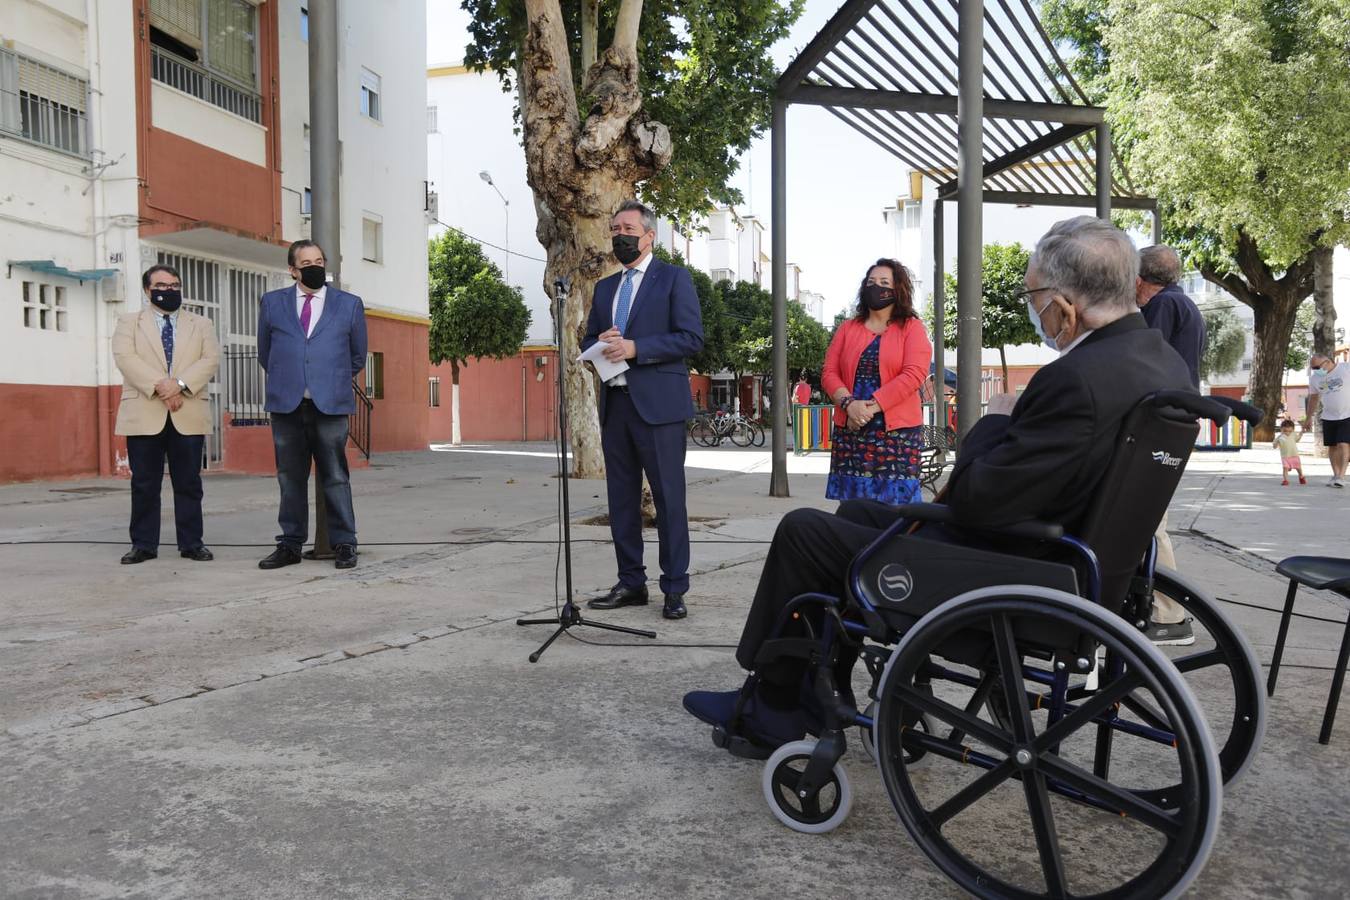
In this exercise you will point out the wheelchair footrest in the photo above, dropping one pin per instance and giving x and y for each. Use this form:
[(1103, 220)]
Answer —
[(740, 746)]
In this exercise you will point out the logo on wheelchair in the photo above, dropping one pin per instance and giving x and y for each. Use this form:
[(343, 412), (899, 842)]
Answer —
[(894, 582), (1162, 457)]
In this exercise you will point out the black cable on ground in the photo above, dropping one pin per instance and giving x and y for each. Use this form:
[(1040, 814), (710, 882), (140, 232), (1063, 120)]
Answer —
[(55, 542)]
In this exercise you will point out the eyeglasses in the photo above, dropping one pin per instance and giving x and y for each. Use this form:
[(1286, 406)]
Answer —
[(162, 286), (1026, 295)]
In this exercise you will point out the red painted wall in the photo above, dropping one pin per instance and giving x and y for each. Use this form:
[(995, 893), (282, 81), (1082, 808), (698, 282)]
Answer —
[(700, 389), (49, 432), (401, 419), (491, 406)]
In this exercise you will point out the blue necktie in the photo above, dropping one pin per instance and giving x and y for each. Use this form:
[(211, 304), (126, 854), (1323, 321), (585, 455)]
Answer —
[(625, 300), (166, 335)]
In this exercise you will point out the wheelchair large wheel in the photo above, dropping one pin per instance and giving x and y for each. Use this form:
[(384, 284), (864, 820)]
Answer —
[(810, 815), (1018, 811), (1222, 667)]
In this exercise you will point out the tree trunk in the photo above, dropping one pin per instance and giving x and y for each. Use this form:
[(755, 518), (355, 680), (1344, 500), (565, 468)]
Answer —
[(1003, 360), (454, 403), (590, 27), (580, 173), (1324, 325), (1274, 303)]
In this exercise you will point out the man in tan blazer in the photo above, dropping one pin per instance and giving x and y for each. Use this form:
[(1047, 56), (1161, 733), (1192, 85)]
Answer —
[(167, 356)]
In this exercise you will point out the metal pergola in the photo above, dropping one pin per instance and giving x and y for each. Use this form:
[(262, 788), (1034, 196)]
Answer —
[(948, 87)]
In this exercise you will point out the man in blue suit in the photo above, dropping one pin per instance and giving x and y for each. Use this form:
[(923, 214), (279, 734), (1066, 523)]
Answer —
[(647, 314), (311, 342)]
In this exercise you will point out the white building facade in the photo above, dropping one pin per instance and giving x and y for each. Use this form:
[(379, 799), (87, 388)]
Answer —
[(174, 131)]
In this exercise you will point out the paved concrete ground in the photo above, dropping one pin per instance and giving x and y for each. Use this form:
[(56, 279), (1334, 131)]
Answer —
[(210, 730)]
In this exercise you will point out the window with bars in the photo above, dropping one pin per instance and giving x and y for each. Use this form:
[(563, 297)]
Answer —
[(43, 104), (209, 49), (44, 306), (912, 208), (434, 391), (370, 95), (375, 375), (431, 120)]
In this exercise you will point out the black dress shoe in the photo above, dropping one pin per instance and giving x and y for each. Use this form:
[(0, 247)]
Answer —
[(137, 555), (620, 596), (345, 556), (197, 554), (674, 608), (284, 555)]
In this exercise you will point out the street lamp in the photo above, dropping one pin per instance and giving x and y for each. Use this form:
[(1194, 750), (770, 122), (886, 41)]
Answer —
[(506, 209)]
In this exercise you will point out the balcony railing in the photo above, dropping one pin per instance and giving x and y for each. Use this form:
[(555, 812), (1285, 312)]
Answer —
[(192, 79)]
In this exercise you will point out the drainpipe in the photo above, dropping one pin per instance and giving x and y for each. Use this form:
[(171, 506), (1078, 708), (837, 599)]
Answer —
[(94, 129)]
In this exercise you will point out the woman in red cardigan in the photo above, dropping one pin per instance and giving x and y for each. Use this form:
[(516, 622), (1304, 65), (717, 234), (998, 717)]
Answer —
[(873, 370)]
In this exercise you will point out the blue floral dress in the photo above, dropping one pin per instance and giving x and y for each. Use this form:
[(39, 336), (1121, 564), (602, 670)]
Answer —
[(873, 463)]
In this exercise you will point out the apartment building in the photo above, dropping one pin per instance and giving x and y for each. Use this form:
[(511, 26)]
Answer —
[(175, 131)]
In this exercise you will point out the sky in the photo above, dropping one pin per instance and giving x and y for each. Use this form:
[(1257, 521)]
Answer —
[(838, 181)]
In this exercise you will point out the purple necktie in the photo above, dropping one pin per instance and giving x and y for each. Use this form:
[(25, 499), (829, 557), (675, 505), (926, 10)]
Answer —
[(304, 314)]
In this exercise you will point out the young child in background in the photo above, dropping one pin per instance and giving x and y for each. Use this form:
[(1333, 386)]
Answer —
[(1287, 444)]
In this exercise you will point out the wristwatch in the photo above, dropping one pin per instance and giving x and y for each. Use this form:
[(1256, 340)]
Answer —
[(182, 386)]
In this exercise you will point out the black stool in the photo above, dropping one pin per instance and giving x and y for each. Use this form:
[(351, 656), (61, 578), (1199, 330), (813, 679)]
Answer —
[(1320, 573)]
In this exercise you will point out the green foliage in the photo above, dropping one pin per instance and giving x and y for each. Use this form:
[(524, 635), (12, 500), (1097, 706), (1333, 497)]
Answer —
[(474, 313), (1006, 323), (807, 341), (705, 72), (1233, 112), (1225, 341), (1301, 340), (719, 332)]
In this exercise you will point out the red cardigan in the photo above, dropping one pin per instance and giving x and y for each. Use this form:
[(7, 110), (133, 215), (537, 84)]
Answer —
[(906, 354)]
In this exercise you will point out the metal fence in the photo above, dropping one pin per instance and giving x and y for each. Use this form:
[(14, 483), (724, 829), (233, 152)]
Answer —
[(191, 78)]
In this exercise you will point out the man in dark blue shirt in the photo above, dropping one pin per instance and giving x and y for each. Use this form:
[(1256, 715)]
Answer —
[(1167, 308)]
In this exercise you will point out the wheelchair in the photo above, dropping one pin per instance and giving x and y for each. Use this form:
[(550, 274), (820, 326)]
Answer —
[(1022, 723)]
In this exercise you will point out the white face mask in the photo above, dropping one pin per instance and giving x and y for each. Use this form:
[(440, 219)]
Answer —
[(1051, 342)]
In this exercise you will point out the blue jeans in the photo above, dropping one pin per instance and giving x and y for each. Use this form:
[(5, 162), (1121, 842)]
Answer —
[(299, 438)]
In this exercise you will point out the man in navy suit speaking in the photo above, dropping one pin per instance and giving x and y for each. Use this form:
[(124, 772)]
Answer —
[(648, 315), (311, 342)]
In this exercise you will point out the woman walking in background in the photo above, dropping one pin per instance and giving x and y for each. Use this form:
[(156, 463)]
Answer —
[(874, 368)]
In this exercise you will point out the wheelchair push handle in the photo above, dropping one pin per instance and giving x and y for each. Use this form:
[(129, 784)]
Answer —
[(1244, 411), (1193, 404), (936, 512)]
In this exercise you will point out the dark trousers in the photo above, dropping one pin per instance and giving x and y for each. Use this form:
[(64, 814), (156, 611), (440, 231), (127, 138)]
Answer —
[(810, 553), (146, 455), (631, 447), (300, 438)]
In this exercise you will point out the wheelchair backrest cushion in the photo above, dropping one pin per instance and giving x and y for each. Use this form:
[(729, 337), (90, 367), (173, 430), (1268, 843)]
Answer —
[(1150, 456)]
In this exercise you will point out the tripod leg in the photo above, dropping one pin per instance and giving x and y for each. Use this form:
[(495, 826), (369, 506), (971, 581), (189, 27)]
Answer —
[(639, 632), (534, 657)]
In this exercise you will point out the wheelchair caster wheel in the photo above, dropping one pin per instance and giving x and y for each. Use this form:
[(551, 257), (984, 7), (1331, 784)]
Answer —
[(810, 815)]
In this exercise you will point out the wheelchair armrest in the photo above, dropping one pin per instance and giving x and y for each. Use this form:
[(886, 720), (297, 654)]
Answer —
[(937, 512)]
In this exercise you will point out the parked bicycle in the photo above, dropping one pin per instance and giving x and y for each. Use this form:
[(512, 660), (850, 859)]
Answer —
[(709, 429)]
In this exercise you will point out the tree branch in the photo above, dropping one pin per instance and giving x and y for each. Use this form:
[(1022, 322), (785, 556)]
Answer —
[(590, 39), (626, 27), (549, 113)]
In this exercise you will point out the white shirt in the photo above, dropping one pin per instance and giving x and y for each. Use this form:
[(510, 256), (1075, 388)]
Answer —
[(1333, 389), (1076, 341), (315, 308), (639, 272)]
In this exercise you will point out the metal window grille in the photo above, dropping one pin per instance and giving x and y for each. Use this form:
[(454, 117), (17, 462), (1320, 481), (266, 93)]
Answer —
[(195, 80), (431, 120), (434, 391), (374, 375), (43, 104)]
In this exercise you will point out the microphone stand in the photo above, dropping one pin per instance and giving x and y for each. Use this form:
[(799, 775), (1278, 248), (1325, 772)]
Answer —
[(569, 615)]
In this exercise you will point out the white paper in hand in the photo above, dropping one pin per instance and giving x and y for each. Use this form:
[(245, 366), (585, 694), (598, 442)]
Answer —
[(603, 367)]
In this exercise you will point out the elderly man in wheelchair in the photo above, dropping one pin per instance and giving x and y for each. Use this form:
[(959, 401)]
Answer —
[(1001, 629)]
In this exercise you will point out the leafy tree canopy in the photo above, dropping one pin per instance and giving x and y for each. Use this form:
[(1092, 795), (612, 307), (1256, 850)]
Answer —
[(1225, 341), (474, 313), (704, 71)]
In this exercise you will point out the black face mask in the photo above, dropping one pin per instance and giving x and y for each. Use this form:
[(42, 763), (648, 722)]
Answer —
[(875, 296), (312, 277), (168, 299), (625, 247)]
